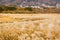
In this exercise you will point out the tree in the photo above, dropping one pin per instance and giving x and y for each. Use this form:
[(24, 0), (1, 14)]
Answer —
[(28, 8), (11, 8), (1, 9)]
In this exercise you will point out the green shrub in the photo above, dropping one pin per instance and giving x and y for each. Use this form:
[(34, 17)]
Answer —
[(11, 8), (1, 9), (28, 8)]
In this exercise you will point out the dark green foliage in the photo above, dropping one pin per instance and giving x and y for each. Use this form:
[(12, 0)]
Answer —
[(1, 9), (11, 8), (28, 8), (7, 8)]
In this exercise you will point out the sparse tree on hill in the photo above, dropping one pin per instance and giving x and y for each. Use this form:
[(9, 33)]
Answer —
[(1, 9), (28, 8), (11, 8)]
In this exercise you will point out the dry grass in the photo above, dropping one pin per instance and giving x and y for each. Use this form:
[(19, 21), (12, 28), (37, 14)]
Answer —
[(38, 29)]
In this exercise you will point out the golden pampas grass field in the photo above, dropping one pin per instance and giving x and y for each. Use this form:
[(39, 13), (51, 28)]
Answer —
[(29, 27)]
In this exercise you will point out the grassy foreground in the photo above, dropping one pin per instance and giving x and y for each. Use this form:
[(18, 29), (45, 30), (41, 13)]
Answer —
[(30, 27)]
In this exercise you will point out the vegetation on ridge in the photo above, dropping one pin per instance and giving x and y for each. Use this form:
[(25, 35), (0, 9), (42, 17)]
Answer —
[(14, 9)]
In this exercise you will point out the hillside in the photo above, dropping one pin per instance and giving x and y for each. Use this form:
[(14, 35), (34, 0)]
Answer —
[(18, 2)]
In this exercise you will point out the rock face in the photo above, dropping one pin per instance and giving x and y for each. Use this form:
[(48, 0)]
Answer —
[(32, 1)]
